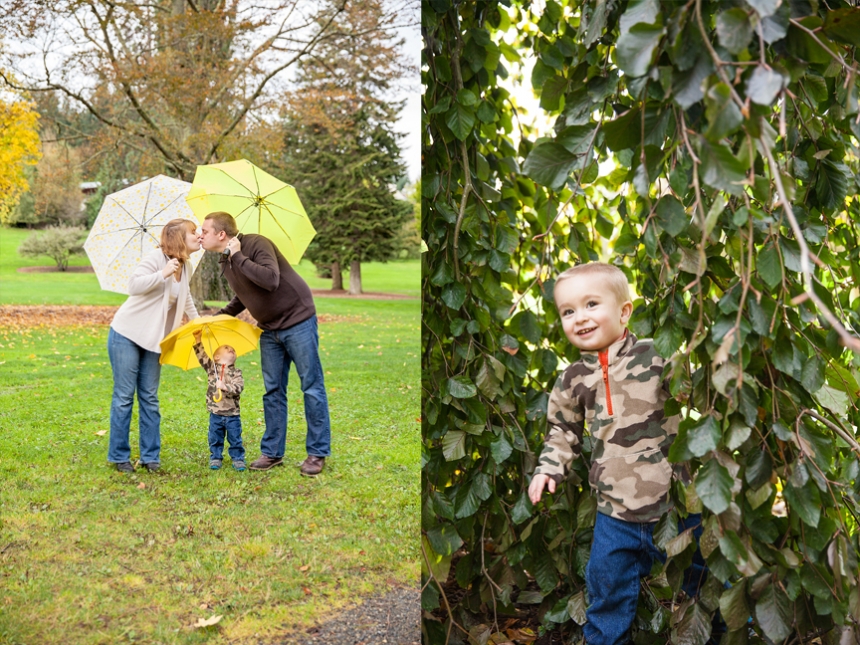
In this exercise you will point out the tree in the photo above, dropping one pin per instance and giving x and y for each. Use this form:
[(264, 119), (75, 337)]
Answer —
[(19, 149), (341, 148), (59, 243), (732, 131), (56, 188)]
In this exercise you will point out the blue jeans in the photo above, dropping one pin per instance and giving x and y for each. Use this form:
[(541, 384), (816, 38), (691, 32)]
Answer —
[(219, 426), (622, 553), (278, 350), (134, 368)]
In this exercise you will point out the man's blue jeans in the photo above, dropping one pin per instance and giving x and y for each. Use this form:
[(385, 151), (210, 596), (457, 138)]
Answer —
[(278, 350), (134, 368), (621, 554), (219, 426)]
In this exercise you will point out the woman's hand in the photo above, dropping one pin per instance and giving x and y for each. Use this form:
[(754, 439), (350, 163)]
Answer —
[(170, 268)]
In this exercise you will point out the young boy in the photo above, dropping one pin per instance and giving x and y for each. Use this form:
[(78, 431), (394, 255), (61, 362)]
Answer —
[(616, 388), (222, 400)]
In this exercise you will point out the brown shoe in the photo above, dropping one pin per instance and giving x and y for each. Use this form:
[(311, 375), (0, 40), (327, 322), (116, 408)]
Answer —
[(312, 466), (264, 463)]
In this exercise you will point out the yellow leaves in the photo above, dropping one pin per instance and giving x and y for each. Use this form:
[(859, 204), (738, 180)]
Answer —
[(19, 148), (208, 622)]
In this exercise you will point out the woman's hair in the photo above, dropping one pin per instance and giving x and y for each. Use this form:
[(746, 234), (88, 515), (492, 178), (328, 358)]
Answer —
[(222, 221), (173, 238), (616, 281)]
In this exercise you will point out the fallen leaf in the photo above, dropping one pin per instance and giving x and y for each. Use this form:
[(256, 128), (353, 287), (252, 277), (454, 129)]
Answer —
[(307, 591), (101, 433), (305, 567), (214, 620), (141, 485), (353, 438), (204, 606)]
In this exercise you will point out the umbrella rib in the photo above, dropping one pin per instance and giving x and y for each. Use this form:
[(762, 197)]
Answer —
[(229, 176), (275, 220), (127, 212), (156, 214)]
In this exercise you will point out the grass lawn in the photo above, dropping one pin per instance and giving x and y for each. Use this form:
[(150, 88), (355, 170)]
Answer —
[(89, 555), (403, 277)]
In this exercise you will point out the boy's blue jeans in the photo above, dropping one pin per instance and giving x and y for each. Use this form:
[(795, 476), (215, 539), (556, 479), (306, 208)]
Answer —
[(219, 426), (621, 554)]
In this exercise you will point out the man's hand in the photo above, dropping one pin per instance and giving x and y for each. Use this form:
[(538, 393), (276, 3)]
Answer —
[(539, 482), (234, 245), (198, 335)]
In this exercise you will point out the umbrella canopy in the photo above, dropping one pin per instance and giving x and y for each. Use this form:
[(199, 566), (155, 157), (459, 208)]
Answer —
[(257, 201), (129, 226), (178, 347)]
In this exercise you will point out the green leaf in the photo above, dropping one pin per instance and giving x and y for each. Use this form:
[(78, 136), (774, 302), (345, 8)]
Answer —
[(738, 432), (576, 138), (805, 501), (454, 295), (679, 543), (551, 92), (523, 509), (467, 98), (733, 606), (720, 168), (466, 501), (833, 399), (549, 164), (460, 387), (639, 11), (460, 120), (714, 486), (454, 445), (529, 326), (769, 268), (487, 382), (603, 226), (666, 529), (558, 614), (576, 608), (444, 539), (687, 85), (501, 448), (440, 565), (843, 25), (734, 30), (623, 132), (773, 613), (668, 339), (812, 376), (671, 216), (704, 436), (724, 117), (694, 628), (636, 48), (831, 184), (545, 572), (442, 505), (764, 8), (764, 85)]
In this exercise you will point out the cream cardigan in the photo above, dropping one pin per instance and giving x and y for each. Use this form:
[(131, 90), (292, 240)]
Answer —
[(143, 317)]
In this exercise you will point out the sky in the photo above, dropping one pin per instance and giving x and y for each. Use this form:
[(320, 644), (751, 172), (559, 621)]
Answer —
[(410, 119)]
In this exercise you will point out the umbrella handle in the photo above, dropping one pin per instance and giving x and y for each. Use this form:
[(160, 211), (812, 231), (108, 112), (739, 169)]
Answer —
[(218, 395)]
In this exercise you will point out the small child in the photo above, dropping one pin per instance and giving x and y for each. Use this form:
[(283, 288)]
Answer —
[(222, 400), (617, 389)]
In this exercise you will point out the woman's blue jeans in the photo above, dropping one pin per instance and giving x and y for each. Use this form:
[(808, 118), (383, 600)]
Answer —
[(622, 553), (278, 350), (134, 369)]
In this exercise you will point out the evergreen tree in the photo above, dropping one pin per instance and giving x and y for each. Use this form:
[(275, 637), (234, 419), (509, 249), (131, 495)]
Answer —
[(342, 152)]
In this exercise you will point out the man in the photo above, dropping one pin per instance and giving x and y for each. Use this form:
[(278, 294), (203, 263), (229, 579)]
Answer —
[(281, 302)]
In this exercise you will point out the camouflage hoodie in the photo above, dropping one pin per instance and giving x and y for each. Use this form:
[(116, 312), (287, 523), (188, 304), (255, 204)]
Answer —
[(228, 406), (619, 394)]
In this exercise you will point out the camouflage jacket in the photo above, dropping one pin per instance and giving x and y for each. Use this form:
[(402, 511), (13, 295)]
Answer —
[(228, 406), (619, 394)]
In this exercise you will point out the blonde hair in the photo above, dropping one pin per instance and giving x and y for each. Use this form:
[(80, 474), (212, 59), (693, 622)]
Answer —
[(614, 277), (173, 238)]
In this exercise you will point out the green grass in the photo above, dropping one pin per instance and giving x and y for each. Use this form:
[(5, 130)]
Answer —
[(91, 556), (401, 277)]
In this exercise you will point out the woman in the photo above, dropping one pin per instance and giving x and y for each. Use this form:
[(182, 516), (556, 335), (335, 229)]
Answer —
[(158, 296)]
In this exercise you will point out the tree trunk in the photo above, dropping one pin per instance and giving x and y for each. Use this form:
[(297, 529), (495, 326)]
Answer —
[(336, 277), (207, 283), (354, 278)]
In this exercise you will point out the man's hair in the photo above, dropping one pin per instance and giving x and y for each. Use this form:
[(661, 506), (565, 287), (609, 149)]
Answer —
[(615, 279), (173, 238), (222, 221)]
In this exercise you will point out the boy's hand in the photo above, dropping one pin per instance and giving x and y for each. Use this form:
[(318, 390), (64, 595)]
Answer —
[(198, 335), (220, 384), (539, 482)]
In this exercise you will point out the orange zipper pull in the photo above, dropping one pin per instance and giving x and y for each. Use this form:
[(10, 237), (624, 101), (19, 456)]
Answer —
[(604, 364)]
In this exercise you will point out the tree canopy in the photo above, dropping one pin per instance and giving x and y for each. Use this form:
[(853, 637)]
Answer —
[(19, 149), (710, 150)]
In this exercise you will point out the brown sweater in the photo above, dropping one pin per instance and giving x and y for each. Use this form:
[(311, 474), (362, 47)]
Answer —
[(266, 285)]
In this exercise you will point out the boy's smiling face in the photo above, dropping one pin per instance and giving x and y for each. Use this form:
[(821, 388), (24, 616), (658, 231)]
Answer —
[(591, 315)]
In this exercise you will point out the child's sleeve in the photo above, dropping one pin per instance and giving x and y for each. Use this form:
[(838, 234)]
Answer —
[(202, 357), (565, 425), (234, 384)]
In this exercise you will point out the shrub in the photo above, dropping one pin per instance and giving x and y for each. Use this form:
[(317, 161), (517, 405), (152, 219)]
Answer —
[(57, 242)]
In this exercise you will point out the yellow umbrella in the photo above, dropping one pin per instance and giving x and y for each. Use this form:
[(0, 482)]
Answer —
[(259, 202), (129, 226), (178, 347)]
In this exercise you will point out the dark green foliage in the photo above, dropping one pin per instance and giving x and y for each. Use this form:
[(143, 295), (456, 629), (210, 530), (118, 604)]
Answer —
[(713, 128)]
